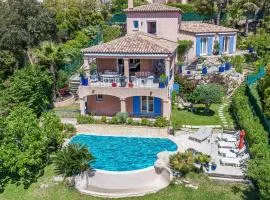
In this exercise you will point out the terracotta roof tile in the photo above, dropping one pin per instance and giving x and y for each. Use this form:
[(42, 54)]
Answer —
[(153, 7), (138, 43), (205, 28)]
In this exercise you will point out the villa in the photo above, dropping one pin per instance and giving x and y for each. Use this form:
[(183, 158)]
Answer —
[(135, 73)]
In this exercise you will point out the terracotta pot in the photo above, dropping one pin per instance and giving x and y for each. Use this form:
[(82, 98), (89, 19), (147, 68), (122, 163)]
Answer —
[(130, 84), (114, 84)]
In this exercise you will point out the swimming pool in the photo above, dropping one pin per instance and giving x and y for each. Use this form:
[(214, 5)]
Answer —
[(123, 153)]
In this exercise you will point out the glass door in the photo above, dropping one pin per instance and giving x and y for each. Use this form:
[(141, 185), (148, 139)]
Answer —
[(204, 42)]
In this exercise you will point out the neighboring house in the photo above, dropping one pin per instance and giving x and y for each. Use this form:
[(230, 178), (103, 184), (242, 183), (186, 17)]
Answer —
[(129, 68), (204, 37)]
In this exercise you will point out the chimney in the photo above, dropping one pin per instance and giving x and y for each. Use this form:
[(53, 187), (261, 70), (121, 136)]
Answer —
[(130, 4)]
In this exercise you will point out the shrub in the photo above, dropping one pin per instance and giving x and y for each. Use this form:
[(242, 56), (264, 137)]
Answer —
[(114, 120), (259, 165), (103, 119), (237, 63), (84, 119), (111, 32), (130, 121), (145, 122), (122, 117), (161, 122), (69, 128)]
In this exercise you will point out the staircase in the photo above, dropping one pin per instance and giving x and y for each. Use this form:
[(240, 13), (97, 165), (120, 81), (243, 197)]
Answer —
[(74, 83)]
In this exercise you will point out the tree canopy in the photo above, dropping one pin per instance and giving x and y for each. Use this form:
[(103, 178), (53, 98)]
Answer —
[(30, 86), (208, 94), (25, 144)]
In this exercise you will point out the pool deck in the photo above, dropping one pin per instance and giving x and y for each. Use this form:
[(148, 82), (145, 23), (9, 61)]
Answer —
[(209, 147), (140, 182)]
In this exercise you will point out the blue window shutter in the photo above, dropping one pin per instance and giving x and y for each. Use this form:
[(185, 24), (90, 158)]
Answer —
[(231, 44), (221, 39), (135, 24), (198, 46), (210, 46), (157, 106), (136, 105)]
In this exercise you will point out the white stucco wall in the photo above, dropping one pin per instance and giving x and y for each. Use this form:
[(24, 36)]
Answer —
[(167, 23)]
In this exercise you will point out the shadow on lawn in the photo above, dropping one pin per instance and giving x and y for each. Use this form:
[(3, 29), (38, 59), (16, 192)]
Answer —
[(202, 112)]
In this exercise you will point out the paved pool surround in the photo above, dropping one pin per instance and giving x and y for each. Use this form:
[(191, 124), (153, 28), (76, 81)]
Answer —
[(118, 184), (108, 184)]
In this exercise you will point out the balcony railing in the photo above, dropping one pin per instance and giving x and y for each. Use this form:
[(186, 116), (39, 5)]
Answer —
[(116, 80)]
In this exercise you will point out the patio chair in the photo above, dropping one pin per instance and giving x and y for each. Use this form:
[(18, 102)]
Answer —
[(230, 162)]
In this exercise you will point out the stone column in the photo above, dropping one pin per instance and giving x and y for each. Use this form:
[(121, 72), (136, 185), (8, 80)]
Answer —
[(123, 105), (126, 67), (166, 108), (167, 66), (83, 105)]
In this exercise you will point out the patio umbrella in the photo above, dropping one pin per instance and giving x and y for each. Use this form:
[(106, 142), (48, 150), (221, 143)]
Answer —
[(241, 141)]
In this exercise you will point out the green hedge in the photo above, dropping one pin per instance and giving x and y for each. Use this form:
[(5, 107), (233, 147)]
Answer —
[(257, 138), (120, 118)]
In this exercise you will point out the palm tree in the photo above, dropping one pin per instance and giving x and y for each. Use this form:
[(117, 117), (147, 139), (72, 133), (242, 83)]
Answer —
[(49, 55), (182, 162), (72, 160)]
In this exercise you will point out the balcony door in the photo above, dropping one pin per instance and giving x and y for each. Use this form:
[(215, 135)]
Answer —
[(226, 44), (204, 44)]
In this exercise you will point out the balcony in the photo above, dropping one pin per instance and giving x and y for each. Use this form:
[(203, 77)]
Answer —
[(114, 79)]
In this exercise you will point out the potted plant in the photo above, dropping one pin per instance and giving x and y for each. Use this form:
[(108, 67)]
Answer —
[(84, 79), (162, 81), (213, 166), (216, 48), (130, 84)]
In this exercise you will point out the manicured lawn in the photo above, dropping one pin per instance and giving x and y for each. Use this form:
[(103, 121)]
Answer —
[(208, 190), (197, 118), (200, 117), (68, 111)]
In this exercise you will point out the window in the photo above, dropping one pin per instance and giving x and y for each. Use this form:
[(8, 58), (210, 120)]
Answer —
[(204, 43), (147, 104), (226, 43), (99, 97), (135, 25), (152, 27)]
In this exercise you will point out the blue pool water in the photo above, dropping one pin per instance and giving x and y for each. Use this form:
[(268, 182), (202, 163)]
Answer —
[(124, 153)]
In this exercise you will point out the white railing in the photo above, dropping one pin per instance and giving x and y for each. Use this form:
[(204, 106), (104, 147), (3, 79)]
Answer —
[(118, 82)]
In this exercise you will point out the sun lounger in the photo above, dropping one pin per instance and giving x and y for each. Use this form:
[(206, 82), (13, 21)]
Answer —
[(228, 145), (228, 153), (227, 138), (236, 162), (202, 134)]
